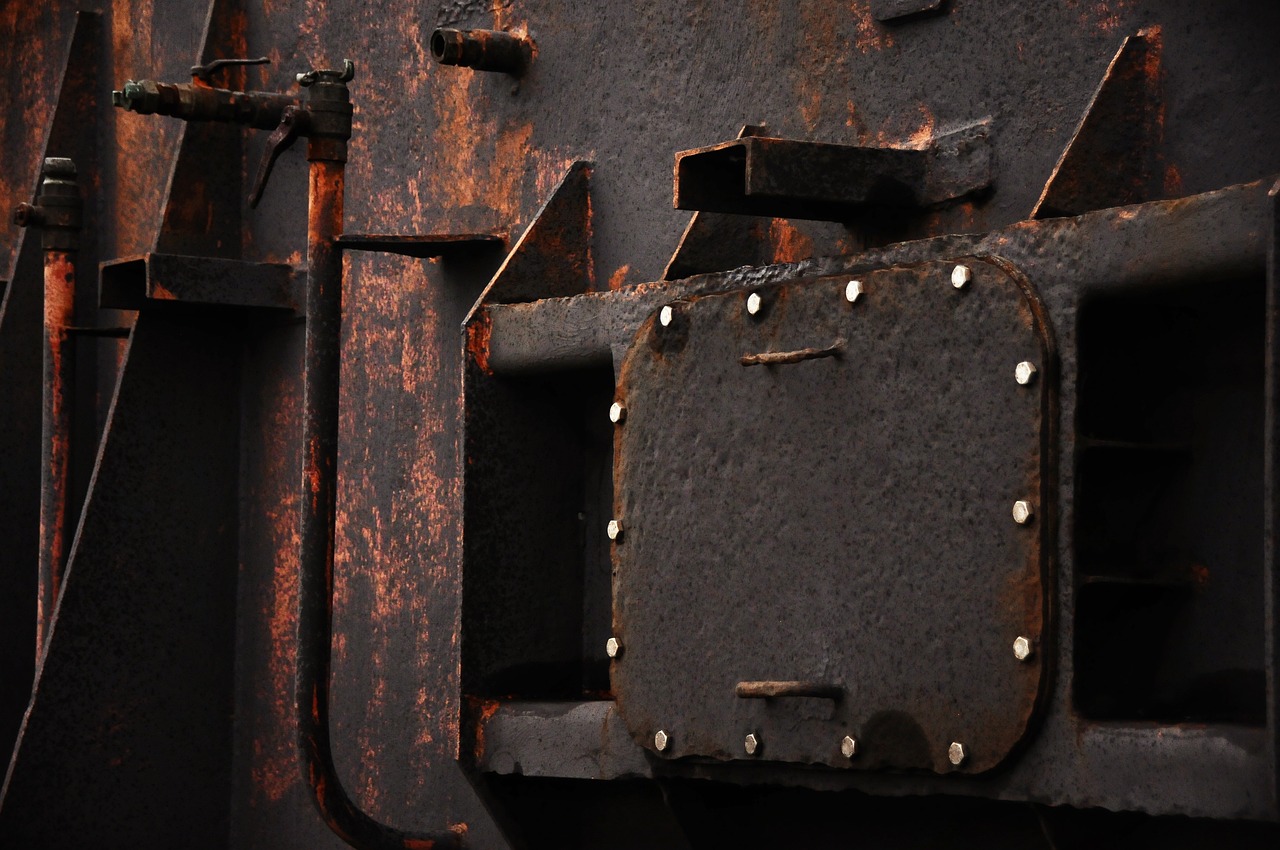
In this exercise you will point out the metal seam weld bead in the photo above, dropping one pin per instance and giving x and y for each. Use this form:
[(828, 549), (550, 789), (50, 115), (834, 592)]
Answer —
[(1022, 512), (960, 276), (1021, 648), (612, 647), (849, 746), (661, 740), (751, 743), (956, 753), (852, 290), (1025, 372), (614, 529)]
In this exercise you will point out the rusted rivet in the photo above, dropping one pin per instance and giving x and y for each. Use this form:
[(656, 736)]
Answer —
[(1021, 648), (956, 753), (960, 276), (751, 743), (1025, 372), (1022, 512), (754, 303), (617, 412), (666, 315), (848, 746), (661, 740), (614, 529), (852, 290), (612, 648)]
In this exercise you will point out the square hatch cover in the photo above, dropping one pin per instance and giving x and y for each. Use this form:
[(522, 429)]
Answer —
[(830, 518)]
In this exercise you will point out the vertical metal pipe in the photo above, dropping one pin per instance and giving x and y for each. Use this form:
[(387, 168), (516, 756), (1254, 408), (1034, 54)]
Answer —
[(328, 123), (55, 449), (58, 211)]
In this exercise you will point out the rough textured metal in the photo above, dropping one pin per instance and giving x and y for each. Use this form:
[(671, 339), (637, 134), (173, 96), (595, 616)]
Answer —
[(200, 281), (864, 514), (759, 175), (1111, 159)]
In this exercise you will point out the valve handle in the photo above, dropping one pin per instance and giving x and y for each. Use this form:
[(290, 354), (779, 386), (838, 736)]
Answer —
[(205, 73), (292, 122), (346, 75)]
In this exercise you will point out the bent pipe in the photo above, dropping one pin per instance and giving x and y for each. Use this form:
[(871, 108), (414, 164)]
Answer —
[(322, 360)]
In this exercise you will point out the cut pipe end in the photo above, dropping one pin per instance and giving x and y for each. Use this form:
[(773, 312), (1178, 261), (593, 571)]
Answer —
[(482, 50)]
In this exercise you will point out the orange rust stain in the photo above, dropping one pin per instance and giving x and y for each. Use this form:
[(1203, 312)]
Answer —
[(787, 243), (619, 277), (869, 34), (1172, 181), (485, 710), (924, 133), (478, 340)]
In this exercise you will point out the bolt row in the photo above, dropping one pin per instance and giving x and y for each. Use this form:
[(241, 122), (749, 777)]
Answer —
[(957, 753)]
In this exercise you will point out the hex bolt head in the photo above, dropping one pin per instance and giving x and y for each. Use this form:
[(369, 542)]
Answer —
[(612, 647), (956, 753), (1021, 648), (617, 412), (848, 746), (754, 303), (852, 290), (1023, 512), (751, 743), (666, 315), (960, 276), (614, 529), (1025, 372), (661, 740)]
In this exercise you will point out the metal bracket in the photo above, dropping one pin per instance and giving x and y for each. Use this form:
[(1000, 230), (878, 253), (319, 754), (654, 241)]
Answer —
[(814, 180)]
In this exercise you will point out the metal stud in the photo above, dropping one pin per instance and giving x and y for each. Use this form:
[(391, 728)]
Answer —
[(612, 647), (614, 529), (1021, 648), (661, 740), (754, 303), (665, 315), (848, 746), (1022, 512), (1025, 372), (960, 276), (617, 412), (852, 290), (956, 753), (751, 743)]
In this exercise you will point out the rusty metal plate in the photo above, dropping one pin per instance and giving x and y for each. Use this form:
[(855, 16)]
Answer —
[(816, 535)]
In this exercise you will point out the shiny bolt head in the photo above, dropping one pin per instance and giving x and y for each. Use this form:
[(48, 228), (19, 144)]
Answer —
[(617, 412), (751, 743), (1022, 512), (754, 303), (612, 648), (661, 740), (1021, 648), (852, 290), (848, 746), (960, 276), (1025, 372), (956, 753), (665, 315), (614, 529)]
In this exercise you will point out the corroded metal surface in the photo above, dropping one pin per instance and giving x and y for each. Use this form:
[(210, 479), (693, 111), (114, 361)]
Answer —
[(842, 520), (441, 150)]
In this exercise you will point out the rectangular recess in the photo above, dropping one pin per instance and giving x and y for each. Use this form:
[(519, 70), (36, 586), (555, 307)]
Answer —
[(1169, 615)]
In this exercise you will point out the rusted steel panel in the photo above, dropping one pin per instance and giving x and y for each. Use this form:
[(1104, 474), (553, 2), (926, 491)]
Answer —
[(817, 519)]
